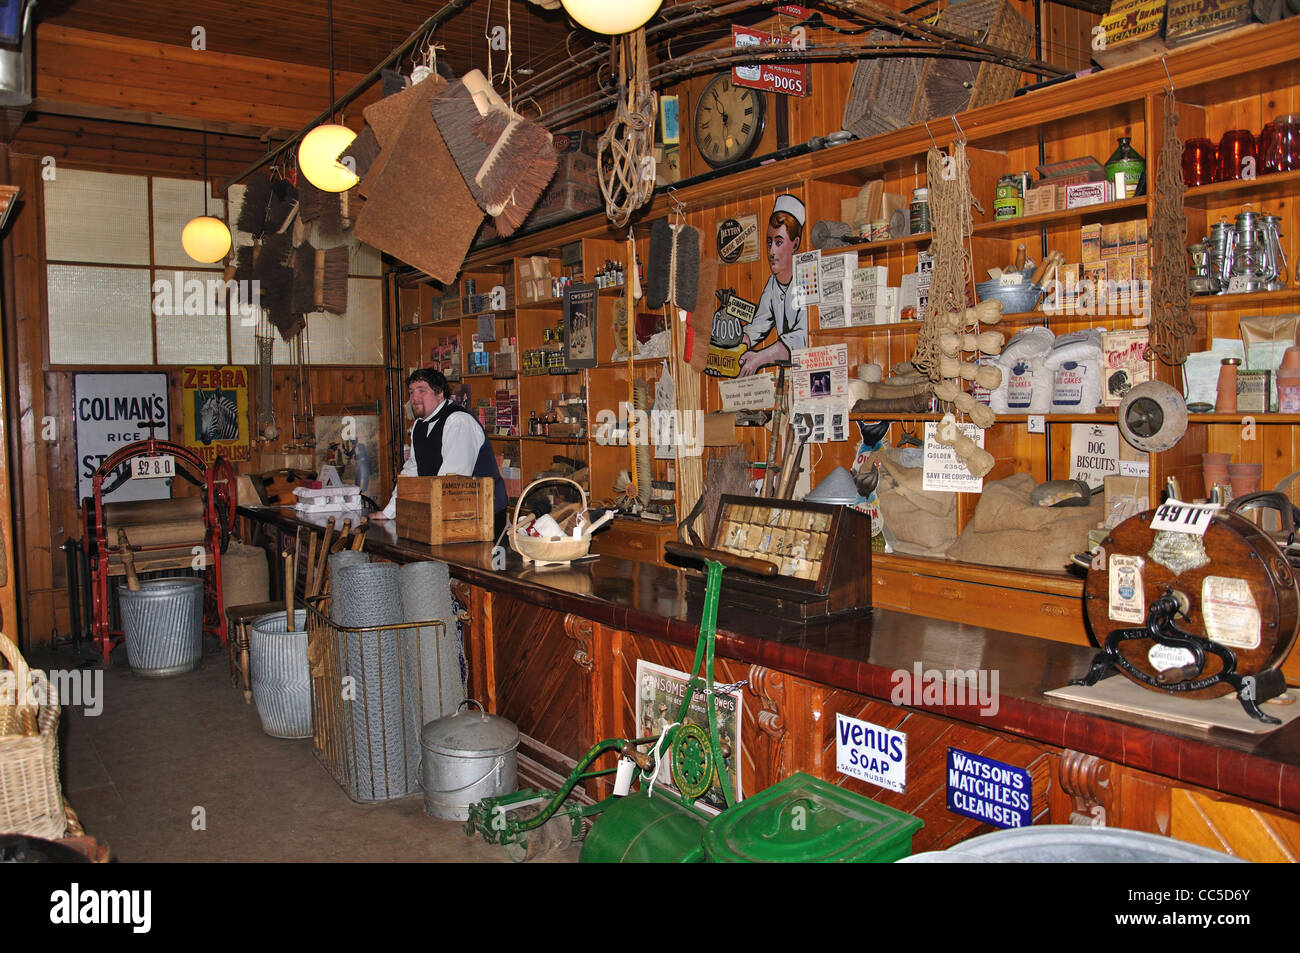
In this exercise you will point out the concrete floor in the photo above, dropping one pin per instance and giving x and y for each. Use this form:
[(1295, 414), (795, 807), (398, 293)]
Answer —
[(161, 748)]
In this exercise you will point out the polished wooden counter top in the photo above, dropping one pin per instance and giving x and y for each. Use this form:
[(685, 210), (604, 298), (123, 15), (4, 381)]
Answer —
[(863, 654)]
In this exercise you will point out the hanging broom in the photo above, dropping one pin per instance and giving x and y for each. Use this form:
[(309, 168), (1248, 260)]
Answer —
[(281, 208), (304, 278), (362, 153), (332, 266), (310, 200), (252, 211)]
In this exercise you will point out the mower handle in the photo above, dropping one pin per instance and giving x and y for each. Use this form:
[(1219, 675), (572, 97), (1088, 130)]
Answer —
[(755, 567)]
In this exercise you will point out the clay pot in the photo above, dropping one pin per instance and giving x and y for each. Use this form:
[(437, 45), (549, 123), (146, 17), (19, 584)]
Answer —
[(1244, 477), (1214, 468)]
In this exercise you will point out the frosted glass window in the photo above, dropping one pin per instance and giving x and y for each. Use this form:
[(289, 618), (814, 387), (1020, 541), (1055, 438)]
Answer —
[(243, 347), (356, 337), (175, 202), (190, 311), (100, 315), (365, 261), (97, 217)]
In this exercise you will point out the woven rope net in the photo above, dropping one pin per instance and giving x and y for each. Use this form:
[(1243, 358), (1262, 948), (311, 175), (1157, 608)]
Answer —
[(1171, 330), (626, 148), (950, 217)]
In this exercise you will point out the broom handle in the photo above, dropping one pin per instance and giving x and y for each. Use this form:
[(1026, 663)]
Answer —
[(633, 489), (288, 591), (309, 579), (128, 561)]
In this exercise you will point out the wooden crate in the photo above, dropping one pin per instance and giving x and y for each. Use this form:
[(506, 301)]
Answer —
[(449, 509)]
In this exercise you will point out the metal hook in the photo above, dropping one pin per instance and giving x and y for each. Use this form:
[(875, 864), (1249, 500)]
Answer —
[(961, 133), (926, 123), (678, 207), (1169, 78)]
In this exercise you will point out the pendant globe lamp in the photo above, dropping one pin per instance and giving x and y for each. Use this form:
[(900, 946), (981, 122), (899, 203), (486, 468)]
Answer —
[(205, 239), (318, 153), (611, 16)]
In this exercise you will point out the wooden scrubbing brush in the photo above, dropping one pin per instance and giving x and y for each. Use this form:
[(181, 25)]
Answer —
[(506, 160), (332, 265)]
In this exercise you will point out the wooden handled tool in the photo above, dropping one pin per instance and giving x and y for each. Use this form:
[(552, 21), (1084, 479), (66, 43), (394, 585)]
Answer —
[(309, 579), (128, 561), (757, 567), (288, 591), (324, 556)]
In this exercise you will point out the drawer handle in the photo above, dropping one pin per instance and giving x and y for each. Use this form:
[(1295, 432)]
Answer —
[(951, 593)]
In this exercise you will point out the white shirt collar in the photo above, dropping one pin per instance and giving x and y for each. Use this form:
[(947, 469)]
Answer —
[(429, 419)]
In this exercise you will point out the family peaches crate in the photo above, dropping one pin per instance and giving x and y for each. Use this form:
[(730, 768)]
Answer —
[(448, 509)]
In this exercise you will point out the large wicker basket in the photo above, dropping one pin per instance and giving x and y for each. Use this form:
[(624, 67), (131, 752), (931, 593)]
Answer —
[(31, 800), (545, 552)]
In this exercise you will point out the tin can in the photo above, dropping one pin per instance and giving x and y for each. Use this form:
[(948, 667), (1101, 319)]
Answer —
[(920, 211), (880, 230)]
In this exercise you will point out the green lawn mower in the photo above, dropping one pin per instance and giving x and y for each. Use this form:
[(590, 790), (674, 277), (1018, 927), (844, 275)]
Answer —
[(800, 819)]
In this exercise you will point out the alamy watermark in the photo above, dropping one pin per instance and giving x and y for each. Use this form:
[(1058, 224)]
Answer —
[(977, 688), (205, 296), (1088, 297), (681, 429), (77, 688)]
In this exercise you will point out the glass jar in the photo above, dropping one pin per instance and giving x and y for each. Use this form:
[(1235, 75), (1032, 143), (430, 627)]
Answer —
[(1127, 161)]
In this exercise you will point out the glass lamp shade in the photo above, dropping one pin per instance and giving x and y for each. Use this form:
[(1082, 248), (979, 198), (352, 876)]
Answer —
[(206, 239), (318, 158), (611, 16)]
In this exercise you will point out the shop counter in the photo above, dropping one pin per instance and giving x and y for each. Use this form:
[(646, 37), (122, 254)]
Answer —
[(556, 651)]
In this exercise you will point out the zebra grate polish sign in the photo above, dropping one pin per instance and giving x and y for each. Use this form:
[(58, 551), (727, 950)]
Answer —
[(214, 403)]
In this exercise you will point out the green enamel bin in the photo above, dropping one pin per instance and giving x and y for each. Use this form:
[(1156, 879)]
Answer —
[(647, 829), (807, 820)]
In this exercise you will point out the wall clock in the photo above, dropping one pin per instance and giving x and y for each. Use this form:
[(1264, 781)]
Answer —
[(729, 121)]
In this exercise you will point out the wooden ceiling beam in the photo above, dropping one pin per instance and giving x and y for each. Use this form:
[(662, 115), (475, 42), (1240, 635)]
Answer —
[(97, 76)]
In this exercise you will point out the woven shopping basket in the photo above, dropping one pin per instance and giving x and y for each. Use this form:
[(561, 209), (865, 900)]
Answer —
[(31, 800)]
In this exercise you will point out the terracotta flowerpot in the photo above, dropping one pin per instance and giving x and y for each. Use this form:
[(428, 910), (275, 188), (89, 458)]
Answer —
[(1244, 477), (1214, 468)]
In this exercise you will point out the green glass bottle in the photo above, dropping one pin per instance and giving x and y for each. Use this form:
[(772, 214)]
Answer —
[(1127, 161)]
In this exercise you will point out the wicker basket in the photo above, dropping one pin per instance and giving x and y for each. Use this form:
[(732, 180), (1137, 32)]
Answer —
[(31, 800), (545, 552)]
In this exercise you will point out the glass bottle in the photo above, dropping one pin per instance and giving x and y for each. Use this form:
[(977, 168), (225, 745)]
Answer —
[(1126, 160)]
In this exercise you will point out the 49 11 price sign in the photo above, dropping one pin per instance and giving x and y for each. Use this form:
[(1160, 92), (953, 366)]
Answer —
[(1184, 517), (153, 468)]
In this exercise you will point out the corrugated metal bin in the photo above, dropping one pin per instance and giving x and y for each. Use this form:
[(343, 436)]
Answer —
[(163, 625), (281, 682)]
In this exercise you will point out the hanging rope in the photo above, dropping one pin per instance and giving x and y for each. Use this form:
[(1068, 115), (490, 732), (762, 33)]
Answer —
[(625, 150), (950, 217), (1171, 329)]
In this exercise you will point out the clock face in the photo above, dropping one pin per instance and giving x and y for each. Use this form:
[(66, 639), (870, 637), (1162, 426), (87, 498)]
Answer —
[(729, 121)]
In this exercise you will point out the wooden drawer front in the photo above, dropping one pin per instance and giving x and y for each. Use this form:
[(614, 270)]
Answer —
[(644, 545), (1013, 610)]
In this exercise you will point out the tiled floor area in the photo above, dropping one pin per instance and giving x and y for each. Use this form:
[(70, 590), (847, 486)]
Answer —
[(138, 772)]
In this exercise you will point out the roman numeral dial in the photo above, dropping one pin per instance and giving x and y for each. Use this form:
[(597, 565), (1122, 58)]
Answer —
[(728, 122)]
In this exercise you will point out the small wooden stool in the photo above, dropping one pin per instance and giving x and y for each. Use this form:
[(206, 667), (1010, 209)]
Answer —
[(239, 622)]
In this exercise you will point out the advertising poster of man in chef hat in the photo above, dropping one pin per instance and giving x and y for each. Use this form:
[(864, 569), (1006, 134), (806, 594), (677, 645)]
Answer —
[(777, 313)]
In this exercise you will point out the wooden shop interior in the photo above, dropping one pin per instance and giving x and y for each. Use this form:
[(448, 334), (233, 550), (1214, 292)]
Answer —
[(985, 141)]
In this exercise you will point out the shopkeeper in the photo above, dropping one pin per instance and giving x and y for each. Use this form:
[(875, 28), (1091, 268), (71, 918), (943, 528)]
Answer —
[(446, 440)]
